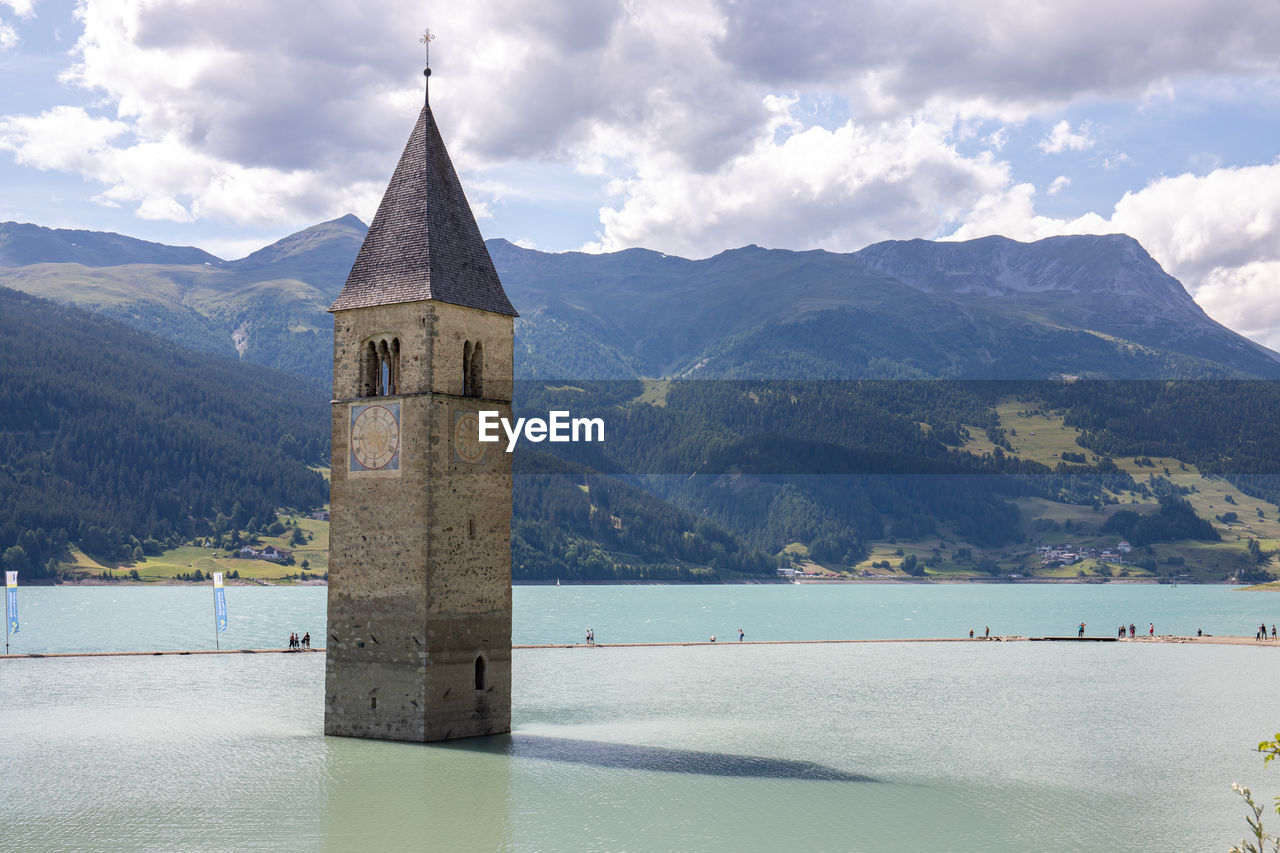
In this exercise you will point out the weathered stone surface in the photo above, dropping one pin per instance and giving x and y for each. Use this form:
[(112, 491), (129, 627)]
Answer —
[(420, 557)]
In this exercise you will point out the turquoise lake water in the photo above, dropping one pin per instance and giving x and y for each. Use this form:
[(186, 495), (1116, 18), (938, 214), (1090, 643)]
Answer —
[(132, 618), (967, 747)]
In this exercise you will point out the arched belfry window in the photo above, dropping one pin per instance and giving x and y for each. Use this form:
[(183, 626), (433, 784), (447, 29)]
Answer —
[(380, 368), (384, 369), (368, 370), (466, 369), (395, 365), (479, 672), (472, 369)]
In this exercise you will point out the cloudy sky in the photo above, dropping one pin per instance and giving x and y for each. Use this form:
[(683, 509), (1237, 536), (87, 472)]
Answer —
[(687, 126)]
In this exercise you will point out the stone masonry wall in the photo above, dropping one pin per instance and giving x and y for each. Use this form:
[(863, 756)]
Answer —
[(420, 567)]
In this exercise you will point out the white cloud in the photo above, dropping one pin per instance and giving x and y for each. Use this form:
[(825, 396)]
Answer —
[(1059, 184), (163, 207), (908, 52), (21, 8), (1062, 139), (1244, 298), (8, 35), (837, 190), (166, 179), (64, 138), (311, 111)]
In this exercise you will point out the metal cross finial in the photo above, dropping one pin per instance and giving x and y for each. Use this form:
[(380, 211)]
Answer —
[(426, 39)]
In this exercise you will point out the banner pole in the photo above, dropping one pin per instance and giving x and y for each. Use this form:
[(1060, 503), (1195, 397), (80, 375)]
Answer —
[(10, 607), (219, 610)]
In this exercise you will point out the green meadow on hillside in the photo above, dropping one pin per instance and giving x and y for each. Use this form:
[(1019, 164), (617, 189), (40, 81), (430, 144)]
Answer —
[(179, 565)]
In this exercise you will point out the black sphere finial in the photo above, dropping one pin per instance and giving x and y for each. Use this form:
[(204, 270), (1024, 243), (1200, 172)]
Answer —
[(426, 39)]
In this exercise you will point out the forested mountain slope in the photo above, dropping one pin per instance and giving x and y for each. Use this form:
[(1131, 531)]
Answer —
[(110, 436)]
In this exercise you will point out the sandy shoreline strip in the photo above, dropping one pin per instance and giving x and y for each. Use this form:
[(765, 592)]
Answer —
[(1167, 638), (161, 653)]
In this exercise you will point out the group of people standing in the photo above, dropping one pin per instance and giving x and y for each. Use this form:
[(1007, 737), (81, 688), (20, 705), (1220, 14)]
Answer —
[(1262, 631), (1132, 631), (295, 643)]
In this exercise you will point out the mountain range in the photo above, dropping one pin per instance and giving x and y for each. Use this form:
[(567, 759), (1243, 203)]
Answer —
[(992, 308), (268, 308)]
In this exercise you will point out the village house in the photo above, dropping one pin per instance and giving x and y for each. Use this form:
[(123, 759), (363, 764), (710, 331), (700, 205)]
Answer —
[(276, 555), (271, 552)]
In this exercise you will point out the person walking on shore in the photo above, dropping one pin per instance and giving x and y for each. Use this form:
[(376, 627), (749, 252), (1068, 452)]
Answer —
[(1151, 629), (741, 636)]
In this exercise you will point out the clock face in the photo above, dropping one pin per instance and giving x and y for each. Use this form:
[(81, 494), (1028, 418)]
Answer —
[(375, 437), (466, 437)]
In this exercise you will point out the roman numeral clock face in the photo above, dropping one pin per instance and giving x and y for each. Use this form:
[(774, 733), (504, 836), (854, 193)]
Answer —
[(375, 438), (466, 437)]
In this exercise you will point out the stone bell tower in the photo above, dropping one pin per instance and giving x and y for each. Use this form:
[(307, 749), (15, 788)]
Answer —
[(419, 622)]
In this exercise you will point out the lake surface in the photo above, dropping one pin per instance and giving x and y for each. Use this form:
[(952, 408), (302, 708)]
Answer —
[(967, 747), (137, 618)]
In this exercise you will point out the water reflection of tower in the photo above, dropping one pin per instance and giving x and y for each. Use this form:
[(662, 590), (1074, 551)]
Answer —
[(452, 798)]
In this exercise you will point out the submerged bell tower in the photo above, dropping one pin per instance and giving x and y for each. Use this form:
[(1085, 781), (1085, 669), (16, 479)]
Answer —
[(419, 609)]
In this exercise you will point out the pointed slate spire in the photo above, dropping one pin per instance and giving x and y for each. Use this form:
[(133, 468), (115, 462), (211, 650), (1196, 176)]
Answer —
[(424, 242)]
